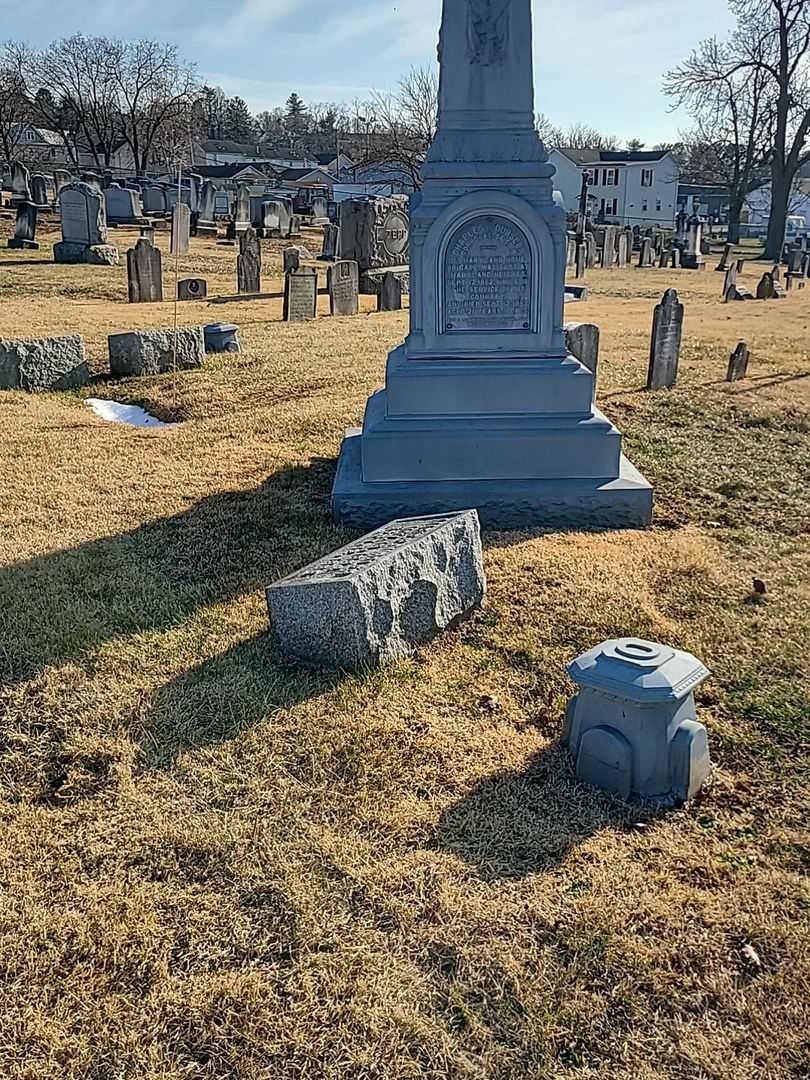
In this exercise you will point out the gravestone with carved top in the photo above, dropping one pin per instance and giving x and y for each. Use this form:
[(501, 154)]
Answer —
[(483, 405)]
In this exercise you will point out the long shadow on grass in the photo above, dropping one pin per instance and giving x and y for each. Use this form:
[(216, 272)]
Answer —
[(513, 825), (60, 607)]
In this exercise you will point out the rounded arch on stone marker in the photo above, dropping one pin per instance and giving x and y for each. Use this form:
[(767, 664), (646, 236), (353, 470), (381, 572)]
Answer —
[(535, 229)]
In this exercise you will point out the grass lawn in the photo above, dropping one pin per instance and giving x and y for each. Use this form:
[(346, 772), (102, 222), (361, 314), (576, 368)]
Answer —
[(214, 864)]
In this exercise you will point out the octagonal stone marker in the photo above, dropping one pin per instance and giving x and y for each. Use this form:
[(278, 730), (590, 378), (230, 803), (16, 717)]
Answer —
[(632, 728), (382, 596)]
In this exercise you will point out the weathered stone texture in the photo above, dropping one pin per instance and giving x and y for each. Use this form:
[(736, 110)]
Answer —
[(382, 596), (149, 352), (57, 363)]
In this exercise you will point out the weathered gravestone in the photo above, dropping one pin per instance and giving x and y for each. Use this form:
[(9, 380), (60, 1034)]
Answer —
[(609, 246), (206, 223), (249, 262), (192, 289), (738, 364), (581, 259), (769, 288), (379, 598), (144, 273), (590, 251), (482, 405), (389, 297), (20, 183), (57, 363), (665, 258), (582, 341), (623, 248), (25, 228), (154, 199), (61, 179), (665, 346), (295, 225), (675, 257), (645, 258), (331, 234), (181, 229), (276, 217), (374, 233), (343, 282), (84, 227), (292, 259), (242, 208), (39, 190), (123, 206), (300, 295), (151, 352), (725, 262), (692, 259)]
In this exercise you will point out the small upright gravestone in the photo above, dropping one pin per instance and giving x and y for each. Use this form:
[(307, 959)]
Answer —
[(581, 259), (382, 596), (582, 341), (769, 288), (61, 179), (20, 182), (645, 258), (192, 289), (249, 262), (144, 273), (181, 229), (206, 223), (300, 295), (242, 208), (724, 263), (25, 229), (389, 298), (123, 206), (84, 227), (665, 346), (343, 282), (292, 259), (330, 243), (39, 190), (738, 364)]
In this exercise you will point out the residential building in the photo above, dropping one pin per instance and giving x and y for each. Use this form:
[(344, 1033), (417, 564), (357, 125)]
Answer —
[(758, 209), (630, 187), (709, 201), (38, 145)]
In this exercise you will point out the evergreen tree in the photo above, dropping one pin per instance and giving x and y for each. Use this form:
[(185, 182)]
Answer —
[(296, 116), (239, 123)]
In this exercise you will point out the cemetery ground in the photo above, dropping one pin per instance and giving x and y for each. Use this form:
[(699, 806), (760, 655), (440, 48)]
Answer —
[(217, 864)]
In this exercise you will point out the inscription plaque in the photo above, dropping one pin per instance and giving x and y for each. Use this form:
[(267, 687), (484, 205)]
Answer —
[(344, 286), (488, 277), (75, 217), (300, 294), (395, 234)]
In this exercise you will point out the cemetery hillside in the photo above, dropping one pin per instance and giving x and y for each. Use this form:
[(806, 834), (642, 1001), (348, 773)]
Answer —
[(404, 572)]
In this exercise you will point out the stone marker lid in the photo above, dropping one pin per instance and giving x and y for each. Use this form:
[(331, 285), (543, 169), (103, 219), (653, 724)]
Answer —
[(220, 328), (638, 671)]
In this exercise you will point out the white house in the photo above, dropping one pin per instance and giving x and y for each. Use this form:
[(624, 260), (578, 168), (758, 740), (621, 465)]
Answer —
[(630, 187), (758, 205), (32, 143)]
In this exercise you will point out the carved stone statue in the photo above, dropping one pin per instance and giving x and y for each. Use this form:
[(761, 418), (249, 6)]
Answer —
[(488, 31)]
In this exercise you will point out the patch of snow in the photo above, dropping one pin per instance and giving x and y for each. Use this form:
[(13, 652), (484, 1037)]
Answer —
[(124, 414)]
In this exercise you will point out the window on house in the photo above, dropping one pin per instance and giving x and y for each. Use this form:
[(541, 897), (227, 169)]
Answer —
[(609, 207), (644, 206), (610, 177), (658, 205), (647, 177)]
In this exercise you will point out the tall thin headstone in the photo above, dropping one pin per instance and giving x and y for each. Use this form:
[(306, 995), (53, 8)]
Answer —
[(39, 190), (389, 298), (738, 364), (25, 229), (20, 182), (330, 243), (242, 208), (665, 346), (181, 229), (144, 273), (206, 223), (249, 262)]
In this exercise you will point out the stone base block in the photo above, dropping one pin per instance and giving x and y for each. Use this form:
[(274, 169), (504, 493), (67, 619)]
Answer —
[(24, 245), (101, 255), (151, 352), (40, 364), (68, 252), (206, 228), (692, 262), (623, 503)]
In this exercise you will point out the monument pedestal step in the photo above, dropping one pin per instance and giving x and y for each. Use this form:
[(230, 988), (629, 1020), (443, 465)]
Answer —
[(487, 446), (625, 502)]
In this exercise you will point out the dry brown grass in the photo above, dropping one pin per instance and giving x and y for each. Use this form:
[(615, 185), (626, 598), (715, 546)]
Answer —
[(214, 864)]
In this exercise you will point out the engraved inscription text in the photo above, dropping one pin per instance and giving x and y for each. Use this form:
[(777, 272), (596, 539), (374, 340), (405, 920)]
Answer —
[(488, 277)]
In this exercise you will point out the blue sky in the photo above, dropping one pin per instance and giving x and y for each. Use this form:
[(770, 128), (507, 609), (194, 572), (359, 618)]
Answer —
[(597, 61)]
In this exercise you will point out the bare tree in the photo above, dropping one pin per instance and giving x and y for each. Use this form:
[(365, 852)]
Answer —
[(773, 40), (582, 137), (550, 135), (15, 108), (732, 142), (155, 91), (405, 124)]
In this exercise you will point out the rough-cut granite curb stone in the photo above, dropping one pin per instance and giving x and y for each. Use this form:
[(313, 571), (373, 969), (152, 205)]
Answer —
[(149, 352), (56, 363), (382, 596)]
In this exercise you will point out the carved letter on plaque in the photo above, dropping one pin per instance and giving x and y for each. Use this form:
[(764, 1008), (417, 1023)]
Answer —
[(487, 277)]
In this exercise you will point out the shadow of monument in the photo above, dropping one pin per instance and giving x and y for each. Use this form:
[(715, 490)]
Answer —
[(59, 607), (513, 825)]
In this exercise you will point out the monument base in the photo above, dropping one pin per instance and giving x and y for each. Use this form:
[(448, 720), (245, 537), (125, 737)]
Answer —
[(23, 245), (623, 503)]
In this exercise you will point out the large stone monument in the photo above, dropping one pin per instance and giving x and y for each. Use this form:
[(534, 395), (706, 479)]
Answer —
[(483, 407), (84, 227)]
